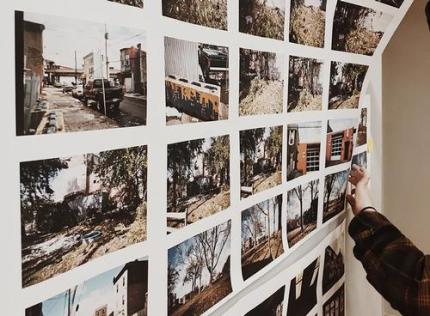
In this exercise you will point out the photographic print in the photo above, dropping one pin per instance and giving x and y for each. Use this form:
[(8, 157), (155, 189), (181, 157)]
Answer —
[(262, 18), (305, 86), (303, 291), (302, 211), (339, 143), (198, 180), (393, 3), (78, 208), (134, 3), (199, 272), (261, 82), (362, 128), (336, 304), (335, 194), (346, 82), (303, 149), (261, 235), (209, 13), (120, 291), (334, 266), (260, 159), (358, 29), (196, 81), (270, 307), (360, 160), (75, 75), (307, 22)]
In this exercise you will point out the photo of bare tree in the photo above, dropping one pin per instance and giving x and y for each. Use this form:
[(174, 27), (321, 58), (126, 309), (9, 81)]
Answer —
[(78, 208), (335, 194), (302, 211), (303, 149), (334, 266), (358, 29), (346, 83), (265, 18), (209, 13), (260, 159), (261, 82), (198, 180), (335, 305), (305, 86), (307, 22), (339, 141), (362, 129), (134, 3), (360, 160), (393, 3), (272, 306), (199, 272), (196, 81), (261, 235)]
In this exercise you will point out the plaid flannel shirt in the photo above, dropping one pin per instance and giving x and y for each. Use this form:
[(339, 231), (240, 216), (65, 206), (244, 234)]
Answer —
[(398, 270)]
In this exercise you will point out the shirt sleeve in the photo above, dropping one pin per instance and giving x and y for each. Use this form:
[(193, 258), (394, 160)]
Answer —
[(397, 269)]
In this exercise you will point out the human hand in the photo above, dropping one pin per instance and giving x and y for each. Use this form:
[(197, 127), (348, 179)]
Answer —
[(360, 195)]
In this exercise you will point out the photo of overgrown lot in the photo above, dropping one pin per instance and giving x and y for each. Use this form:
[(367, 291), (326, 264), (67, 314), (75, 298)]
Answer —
[(334, 267), (302, 211), (303, 290), (393, 3), (303, 149), (336, 304), (261, 82), (261, 235), (78, 208), (272, 306), (358, 29), (196, 81), (120, 291), (360, 160), (305, 86), (335, 186), (346, 83), (265, 18), (260, 159), (199, 272), (210, 13), (362, 129), (307, 22), (134, 3), (339, 141), (198, 180)]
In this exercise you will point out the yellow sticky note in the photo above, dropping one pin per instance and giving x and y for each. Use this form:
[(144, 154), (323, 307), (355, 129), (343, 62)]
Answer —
[(370, 144)]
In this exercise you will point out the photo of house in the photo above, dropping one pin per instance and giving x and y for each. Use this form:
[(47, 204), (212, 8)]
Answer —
[(78, 208), (261, 82), (303, 149), (335, 194), (360, 160), (339, 141), (362, 129), (261, 235), (260, 159), (198, 180), (272, 306), (199, 272), (134, 3), (196, 81), (120, 291), (336, 304), (302, 211), (307, 22), (334, 266)]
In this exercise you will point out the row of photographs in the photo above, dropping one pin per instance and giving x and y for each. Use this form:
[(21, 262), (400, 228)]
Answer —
[(199, 277), (65, 82)]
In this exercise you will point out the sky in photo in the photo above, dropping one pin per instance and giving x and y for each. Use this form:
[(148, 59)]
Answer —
[(293, 203)]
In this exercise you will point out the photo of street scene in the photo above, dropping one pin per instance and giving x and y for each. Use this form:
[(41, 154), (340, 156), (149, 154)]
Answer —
[(210, 13), (260, 159), (303, 149), (302, 211), (198, 180), (196, 81), (334, 267), (75, 75), (362, 129), (346, 83), (134, 3), (78, 208), (271, 306), (358, 29), (262, 18), (261, 235), (307, 22), (393, 3), (261, 82), (120, 291), (339, 141), (303, 291), (335, 186), (199, 272), (305, 86), (336, 304), (360, 160)]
